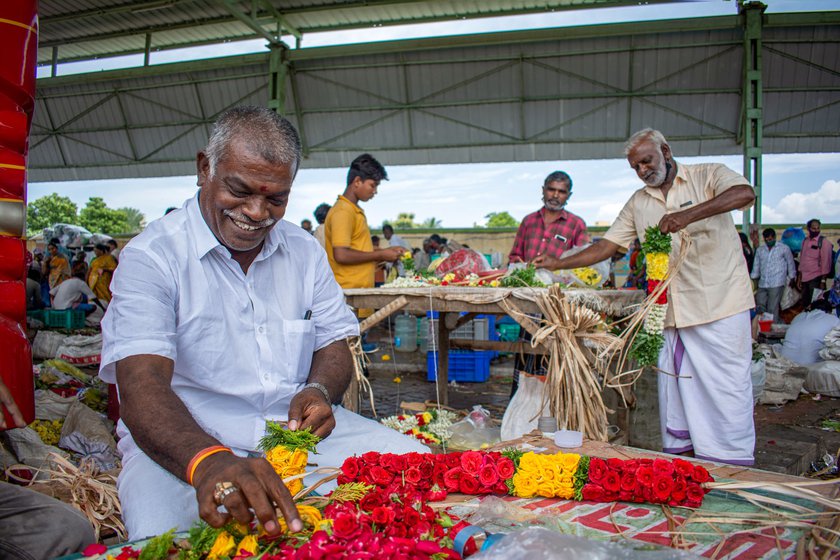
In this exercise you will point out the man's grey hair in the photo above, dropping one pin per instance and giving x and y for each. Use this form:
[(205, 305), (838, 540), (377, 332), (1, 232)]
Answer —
[(265, 132), (644, 135), (558, 177)]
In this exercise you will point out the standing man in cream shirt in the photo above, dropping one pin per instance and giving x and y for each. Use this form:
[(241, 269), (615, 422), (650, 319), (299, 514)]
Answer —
[(705, 392)]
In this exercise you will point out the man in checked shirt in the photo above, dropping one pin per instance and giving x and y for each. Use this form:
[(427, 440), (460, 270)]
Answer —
[(552, 229)]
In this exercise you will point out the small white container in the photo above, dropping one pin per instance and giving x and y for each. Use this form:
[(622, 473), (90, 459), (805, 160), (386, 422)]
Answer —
[(568, 438)]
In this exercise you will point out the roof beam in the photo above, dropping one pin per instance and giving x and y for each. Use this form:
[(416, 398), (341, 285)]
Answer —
[(252, 24), (132, 7)]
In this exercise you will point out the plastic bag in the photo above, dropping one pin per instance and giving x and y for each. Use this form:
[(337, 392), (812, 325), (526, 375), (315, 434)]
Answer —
[(536, 543), (524, 408), (789, 297), (758, 374), (474, 431), (85, 433), (462, 263), (27, 446), (592, 276), (46, 344), (81, 349)]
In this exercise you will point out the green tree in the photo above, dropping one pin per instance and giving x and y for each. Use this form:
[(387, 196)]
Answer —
[(98, 218), (136, 219), (405, 220), (48, 210), (500, 220), (431, 223)]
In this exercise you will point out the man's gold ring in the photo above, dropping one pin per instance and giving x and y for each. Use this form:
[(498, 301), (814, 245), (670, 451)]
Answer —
[(223, 490)]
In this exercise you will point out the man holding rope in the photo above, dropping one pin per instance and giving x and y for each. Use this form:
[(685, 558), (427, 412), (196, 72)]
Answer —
[(705, 390), (225, 316)]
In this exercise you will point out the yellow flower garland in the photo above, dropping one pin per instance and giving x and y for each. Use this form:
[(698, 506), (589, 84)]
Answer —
[(657, 265)]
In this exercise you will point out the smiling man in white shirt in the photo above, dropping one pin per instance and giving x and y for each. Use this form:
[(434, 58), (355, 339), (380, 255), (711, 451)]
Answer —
[(225, 316)]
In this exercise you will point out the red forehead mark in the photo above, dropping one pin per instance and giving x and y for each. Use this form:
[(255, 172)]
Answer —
[(263, 189)]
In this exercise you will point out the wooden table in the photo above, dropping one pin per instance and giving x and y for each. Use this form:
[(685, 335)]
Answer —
[(450, 302)]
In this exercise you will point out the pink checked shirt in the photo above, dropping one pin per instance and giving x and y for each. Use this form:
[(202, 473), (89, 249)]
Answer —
[(535, 237)]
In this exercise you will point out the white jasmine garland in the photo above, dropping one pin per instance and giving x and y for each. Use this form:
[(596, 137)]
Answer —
[(655, 319)]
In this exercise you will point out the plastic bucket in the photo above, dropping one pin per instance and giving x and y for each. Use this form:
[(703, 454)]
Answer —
[(765, 326)]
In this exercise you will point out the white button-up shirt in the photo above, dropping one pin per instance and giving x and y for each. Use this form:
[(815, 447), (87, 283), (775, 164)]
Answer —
[(242, 343), (773, 267)]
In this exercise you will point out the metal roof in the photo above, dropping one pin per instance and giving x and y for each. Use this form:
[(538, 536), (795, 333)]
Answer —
[(552, 94), (73, 30)]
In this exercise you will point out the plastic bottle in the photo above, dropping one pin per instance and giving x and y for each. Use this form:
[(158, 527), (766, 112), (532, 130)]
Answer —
[(406, 332), (423, 334)]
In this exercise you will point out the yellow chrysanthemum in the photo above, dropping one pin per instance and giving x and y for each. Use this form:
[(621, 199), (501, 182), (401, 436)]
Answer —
[(324, 525), (657, 266), (248, 544), (427, 417), (310, 516), (224, 545)]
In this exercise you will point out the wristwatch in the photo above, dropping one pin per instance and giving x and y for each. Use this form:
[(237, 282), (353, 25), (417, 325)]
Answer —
[(320, 388)]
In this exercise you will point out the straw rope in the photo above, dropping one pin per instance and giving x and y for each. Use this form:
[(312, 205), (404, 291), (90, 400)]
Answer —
[(362, 383)]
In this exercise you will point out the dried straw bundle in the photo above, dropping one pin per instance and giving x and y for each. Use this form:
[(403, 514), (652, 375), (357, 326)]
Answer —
[(572, 388), (88, 490)]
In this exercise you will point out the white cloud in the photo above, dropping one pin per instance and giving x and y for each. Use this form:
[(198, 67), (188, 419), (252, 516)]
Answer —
[(798, 207)]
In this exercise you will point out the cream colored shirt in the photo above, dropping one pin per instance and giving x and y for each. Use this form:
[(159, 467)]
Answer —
[(713, 282)]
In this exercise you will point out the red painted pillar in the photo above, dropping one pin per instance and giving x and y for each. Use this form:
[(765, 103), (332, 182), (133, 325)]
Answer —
[(19, 45)]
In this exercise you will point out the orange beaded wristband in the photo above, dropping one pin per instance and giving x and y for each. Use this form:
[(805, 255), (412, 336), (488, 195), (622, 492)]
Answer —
[(200, 456)]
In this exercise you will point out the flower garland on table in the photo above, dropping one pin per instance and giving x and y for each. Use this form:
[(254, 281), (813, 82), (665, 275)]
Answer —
[(649, 340), (561, 475), (431, 426)]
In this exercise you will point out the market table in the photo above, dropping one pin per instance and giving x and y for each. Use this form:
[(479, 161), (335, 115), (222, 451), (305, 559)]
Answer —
[(451, 302)]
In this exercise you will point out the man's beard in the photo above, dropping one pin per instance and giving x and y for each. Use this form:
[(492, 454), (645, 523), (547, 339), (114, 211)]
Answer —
[(658, 177), (553, 204)]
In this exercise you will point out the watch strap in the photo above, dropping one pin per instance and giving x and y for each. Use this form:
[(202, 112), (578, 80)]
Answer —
[(320, 388)]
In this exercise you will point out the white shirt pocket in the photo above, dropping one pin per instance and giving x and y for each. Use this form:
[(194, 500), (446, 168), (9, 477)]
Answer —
[(299, 339)]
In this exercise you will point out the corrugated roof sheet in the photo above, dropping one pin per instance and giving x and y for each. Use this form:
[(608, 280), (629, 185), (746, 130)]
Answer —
[(550, 94), (87, 29)]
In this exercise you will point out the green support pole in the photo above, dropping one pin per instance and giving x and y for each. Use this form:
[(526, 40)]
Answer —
[(278, 67), (751, 104)]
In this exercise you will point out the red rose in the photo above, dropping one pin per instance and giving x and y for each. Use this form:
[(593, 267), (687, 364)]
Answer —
[(414, 459), (505, 468), (411, 516), (382, 515), (453, 459), (644, 475), (380, 476), (439, 470), (592, 492), (625, 495), (597, 470), (693, 493), (427, 469), (370, 501), (94, 549), (488, 476), (468, 484), (398, 462), (412, 475), (662, 466), (630, 466), (471, 462), (652, 285), (615, 464), (662, 487), (451, 479), (350, 468), (365, 476), (612, 482), (663, 298), (628, 482), (701, 475), (345, 526), (501, 488), (371, 457), (684, 468), (436, 494)]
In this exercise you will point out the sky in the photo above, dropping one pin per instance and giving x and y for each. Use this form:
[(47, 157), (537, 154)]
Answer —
[(796, 187)]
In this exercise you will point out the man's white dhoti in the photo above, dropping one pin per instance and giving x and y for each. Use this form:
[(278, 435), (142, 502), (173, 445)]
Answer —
[(154, 501), (707, 404)]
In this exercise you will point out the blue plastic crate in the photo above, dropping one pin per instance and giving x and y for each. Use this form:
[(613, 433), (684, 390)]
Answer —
[(464, 365)]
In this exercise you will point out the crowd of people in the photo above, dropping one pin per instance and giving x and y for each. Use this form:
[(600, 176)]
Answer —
[(63, 278)]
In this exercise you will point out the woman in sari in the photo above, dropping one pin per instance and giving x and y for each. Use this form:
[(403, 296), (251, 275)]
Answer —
[(101, 271), (56, 266)]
